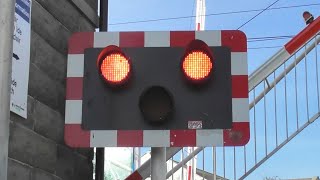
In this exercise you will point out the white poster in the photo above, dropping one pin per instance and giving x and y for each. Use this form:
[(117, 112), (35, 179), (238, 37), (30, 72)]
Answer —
[(21, 57)]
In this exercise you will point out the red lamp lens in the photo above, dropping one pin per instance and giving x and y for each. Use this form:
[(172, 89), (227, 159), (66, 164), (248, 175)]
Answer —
[(115, 68), (197, 65)]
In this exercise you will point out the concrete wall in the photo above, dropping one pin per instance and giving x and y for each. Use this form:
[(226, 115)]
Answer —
[(36, 149)]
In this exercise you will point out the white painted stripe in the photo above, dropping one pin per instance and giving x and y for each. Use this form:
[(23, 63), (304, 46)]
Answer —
[(156, 138), (240, 109), (209, 137), (239, 63), (103, 138), (157, 39), (75, 65), (211, 38), (73, 114), (103, 39)]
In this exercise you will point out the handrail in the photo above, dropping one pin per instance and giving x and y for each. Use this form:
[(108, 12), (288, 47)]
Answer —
[(289, 49), (295, 44), (284, 73)]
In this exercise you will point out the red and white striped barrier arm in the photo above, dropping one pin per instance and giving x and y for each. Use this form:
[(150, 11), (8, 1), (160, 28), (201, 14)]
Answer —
[(285, 53)]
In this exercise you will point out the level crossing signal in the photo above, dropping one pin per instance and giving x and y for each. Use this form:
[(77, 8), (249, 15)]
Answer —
[(157, 89)]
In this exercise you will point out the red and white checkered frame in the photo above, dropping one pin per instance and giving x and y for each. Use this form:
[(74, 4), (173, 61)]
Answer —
[(75, 136)]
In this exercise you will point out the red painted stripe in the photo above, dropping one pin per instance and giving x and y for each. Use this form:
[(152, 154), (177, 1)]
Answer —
[(130, 138), (75, 136), (131, 39), (134, 176), (74, 88), (239, 135), (240, 86), (79, 41), (234, 39), (189, 172), (301, 38), (198, 27), (181, 38), (182, 138)]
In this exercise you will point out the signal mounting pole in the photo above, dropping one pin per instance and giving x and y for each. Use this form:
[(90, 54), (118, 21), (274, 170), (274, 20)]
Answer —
[(103, 26), (158, 163), (200, 15), (6, 33), (199, 26)]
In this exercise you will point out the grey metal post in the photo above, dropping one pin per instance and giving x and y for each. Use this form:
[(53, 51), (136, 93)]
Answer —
[(103, 26), (158, 163), (99, 164), (103, 23), (6, 33)]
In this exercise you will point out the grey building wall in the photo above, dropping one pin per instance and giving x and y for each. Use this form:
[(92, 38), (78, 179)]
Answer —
[(36, 147)]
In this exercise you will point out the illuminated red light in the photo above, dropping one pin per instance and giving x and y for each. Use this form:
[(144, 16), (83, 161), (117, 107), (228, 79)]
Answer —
[(114, 66), (197, 65), (197, 62)]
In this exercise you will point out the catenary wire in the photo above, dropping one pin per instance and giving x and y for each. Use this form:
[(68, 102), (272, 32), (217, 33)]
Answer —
[(212, 14), (265, 47), (258, 14)]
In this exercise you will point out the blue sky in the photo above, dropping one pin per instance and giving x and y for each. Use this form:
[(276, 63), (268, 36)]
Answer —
[(299, 158)]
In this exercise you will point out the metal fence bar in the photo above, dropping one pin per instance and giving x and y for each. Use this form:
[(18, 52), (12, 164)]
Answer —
[(234, 163), (273, 85), (215, 163), (275, 108), (245, 159), (316, 116), (254, 127), (203, 163), (265, 120), (317, 74), (182, 169), (296, 90), (172, 168), (289, 68), (277, 79), (286, 99), (306, 71), (224, 162)]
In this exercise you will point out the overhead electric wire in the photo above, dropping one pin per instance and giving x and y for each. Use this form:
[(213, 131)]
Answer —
[(258, 14), (213, 14), (272, 38), (265, 47), (269, 38)]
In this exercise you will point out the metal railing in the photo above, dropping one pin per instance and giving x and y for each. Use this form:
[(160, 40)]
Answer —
[(283, 104), (284, 96)]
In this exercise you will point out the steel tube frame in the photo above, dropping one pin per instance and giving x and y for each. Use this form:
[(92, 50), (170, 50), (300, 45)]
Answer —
[(283, 74), (265, 70), (184, 161), (289, 68), (158, 163), (310, 121), (256, 100), (103, 26), (6, 41)]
